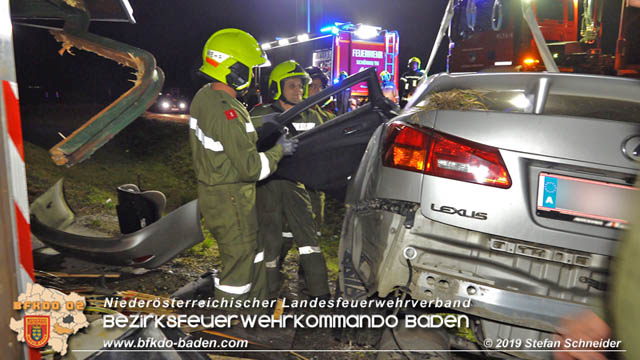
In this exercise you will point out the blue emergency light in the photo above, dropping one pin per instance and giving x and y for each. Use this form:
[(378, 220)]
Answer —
[(332, 29)]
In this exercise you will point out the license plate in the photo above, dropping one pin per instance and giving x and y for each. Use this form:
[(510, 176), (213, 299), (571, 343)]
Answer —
[(584, 201)]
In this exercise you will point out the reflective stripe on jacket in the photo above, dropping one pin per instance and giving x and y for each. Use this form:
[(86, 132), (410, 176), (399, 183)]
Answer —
[(307, 120)]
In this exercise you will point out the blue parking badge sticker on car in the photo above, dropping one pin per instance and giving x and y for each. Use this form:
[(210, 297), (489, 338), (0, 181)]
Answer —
[(549, 192)]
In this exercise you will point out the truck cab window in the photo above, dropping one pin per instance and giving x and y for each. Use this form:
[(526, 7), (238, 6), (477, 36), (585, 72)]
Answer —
[(549, 10)]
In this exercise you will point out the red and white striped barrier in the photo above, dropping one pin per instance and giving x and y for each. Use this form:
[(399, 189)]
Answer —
[(19, 202), (18, 185), (14, 198)]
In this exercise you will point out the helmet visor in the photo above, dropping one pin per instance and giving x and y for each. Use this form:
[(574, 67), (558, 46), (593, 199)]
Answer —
[(239, 76)]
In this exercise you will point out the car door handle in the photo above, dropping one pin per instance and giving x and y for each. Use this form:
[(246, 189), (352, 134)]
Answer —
[(351, 130)]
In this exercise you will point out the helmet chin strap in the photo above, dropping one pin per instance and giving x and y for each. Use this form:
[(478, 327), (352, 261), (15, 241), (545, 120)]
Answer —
[(243, 92)]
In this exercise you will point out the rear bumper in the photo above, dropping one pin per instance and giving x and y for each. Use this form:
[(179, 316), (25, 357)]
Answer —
[(504, 281), (149, 247), (502, 305)]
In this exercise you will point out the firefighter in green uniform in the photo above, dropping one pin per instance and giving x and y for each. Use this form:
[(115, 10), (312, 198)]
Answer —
[(228, 165), (280, 198), (319, 82)]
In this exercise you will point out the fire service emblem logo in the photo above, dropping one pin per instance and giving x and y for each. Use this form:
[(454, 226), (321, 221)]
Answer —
[(36, 332)]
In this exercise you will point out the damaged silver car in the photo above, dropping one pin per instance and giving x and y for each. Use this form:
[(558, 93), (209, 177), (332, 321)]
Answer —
[(509, 189)]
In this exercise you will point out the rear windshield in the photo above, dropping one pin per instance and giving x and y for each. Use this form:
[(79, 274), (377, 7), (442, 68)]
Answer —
[(519, 102)]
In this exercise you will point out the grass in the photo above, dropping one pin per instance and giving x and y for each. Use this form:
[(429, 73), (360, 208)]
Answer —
[(330, 238), (96, 223), (208, 247), (456, 99)]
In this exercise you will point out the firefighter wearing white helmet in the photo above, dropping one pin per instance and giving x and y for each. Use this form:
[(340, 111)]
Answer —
[(409, 80), (227, 163), (279, 199)]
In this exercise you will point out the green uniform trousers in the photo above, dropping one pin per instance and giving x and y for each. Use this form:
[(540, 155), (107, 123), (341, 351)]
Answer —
[(279, 199), (317, 205), (230, 215)]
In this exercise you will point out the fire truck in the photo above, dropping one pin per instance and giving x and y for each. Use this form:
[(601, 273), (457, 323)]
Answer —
[(341, 48), (587, 36)]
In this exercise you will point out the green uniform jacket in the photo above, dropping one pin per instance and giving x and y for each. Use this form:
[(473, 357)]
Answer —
[(223, 141), (324, 114)]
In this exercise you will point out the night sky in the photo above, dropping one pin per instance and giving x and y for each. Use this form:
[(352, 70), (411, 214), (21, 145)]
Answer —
[(175, 31)]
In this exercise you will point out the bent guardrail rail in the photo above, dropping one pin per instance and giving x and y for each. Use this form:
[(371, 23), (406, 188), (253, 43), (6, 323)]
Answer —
[(77, 14), (98, 130)]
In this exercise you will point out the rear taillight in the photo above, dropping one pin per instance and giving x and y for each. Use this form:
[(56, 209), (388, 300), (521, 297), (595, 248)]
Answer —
[(421, 150), (460, 159), (405, 147)]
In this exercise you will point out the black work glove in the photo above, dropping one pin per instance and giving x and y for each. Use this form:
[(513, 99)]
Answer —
[(289, 146), (268, 131)]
